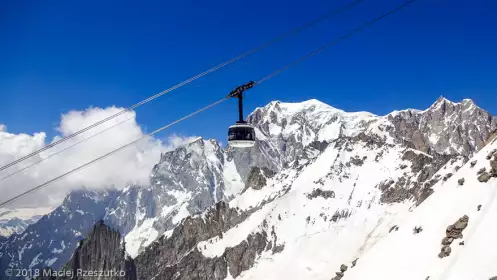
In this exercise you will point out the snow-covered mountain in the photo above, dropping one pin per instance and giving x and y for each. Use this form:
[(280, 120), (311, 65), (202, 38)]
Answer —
[(17, 220), (458, 223), (321, 188), (185, 181), (348, 180), (52, 239)]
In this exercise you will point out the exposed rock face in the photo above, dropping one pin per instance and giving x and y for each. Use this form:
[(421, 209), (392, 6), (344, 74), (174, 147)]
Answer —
[(493, 165), (194, 266), (445, 127), (341, 273), (484, 177), (452, 233), (167, 251), (122, 209), (357, 161), (242, 257), (101, 251), (320, 193), (417, 187), (51, 240), (489, 156), (195, 167), (483, 169), (186, 181), (263, 154), (257, 178)]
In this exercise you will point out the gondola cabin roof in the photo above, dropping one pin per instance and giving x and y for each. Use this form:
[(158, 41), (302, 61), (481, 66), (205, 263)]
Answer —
[(241, 135)]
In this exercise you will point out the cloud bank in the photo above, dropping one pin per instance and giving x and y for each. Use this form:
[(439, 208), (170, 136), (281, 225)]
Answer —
[(131, 165)]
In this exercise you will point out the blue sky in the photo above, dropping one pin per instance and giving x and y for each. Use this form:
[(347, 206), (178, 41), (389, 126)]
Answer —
[(61, 55)]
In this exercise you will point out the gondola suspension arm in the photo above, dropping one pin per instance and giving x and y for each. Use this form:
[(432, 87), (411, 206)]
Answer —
[(238, 93)]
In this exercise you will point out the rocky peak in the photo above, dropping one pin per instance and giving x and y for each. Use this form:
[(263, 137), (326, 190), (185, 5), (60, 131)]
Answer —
[(51, 240), (441, 102), (198, 154), (445, 127), (102, 250), (290, 127)]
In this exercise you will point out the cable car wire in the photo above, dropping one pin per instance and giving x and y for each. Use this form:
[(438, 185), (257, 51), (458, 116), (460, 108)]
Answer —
[(107, 154), (215, 68), (343, 37), (295, 62)]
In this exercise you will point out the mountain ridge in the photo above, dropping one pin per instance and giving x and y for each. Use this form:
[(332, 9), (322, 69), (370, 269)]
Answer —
[(293, 140)]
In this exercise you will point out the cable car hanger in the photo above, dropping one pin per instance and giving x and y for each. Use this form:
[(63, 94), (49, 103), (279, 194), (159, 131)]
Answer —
[(241, 134)]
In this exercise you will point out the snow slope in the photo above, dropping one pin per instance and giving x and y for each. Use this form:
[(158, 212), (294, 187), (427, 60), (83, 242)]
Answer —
[(404, 255), (318, 234), (315, 236)]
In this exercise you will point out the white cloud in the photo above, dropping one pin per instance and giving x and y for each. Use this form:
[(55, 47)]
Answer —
[(130, 165)]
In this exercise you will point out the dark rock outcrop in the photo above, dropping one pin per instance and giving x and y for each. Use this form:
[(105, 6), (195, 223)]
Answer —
[(461, 181), (452, 233), (341, 273), (176, 251), (447, 176), (53, 239), (192, 230), (242, 256), (484, 177), (417, 229), (385, 185), (101, 252), (357, 160), (493, 165), (257, 178), (321, 193), (194, 266), (396, 228), (417, 187), (491, 154)]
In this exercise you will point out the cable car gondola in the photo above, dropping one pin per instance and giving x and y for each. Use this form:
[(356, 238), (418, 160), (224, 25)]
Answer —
[(241, 134)]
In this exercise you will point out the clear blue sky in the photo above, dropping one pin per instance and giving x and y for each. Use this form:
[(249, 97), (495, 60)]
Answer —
[(62, 55)]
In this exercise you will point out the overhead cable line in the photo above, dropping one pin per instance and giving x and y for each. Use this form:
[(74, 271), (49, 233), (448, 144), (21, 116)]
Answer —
[(343, 37), (107, 154), (295, 62), (215, 68)]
